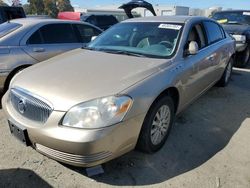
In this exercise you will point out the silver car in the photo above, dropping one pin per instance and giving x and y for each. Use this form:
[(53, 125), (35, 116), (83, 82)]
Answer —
[(91, 105), (25, 42)]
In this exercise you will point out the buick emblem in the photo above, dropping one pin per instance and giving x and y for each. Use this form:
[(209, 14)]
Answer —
[(21, 106)]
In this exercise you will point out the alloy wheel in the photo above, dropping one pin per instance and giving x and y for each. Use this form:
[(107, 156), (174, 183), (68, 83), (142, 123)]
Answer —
[(160, 125)]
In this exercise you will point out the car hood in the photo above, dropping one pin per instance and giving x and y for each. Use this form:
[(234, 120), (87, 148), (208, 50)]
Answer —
[(236, 29), (83, 75)]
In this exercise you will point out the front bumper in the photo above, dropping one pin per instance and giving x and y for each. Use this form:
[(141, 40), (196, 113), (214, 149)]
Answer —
[(78, 147)]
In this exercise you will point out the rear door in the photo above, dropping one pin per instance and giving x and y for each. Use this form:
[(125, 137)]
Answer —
[(51, 40), (218, 55)]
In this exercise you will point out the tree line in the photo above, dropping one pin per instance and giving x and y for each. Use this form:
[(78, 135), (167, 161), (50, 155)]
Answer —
[(45, 7), (2, 3)]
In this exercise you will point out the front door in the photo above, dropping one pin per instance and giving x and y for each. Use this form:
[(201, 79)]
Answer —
[(51, 40)]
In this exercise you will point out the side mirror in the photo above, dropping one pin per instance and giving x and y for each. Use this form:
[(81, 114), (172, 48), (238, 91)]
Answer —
[(193, 48), (93, 38)]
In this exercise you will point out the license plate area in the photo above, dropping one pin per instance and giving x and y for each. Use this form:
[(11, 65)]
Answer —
[(20, 133)]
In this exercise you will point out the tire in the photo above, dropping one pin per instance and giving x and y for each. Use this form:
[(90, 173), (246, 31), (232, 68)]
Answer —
[(147, 141), (243, 58), (223, 82)]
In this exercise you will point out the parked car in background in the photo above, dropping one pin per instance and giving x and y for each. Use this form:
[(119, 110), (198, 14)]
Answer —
[(10, 13), (103, 21), (25, 42), (70, 16), (237, 24), (91, 105), (128, 7)]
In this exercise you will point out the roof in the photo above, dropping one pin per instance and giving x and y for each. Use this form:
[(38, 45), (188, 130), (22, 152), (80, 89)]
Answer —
[(233, 11), (34, 21), (174, 19)]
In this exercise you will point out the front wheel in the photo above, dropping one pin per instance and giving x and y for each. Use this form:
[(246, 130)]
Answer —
[(156, 125), (227, 74)]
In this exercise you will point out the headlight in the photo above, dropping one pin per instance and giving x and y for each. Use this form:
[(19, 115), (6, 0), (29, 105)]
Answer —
[(240, 38), (98, 113)]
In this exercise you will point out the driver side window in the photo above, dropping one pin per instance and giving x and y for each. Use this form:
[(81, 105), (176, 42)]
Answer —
[(197, 35)]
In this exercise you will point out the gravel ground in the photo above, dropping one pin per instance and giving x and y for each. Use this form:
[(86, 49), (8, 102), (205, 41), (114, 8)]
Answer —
[(208, 147)]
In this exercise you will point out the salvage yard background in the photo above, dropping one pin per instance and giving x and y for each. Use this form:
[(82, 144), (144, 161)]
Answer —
[(208, 147)]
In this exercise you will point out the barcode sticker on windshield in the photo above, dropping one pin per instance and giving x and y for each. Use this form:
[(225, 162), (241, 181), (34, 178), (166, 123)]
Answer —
[(246, 13), (170, 26)]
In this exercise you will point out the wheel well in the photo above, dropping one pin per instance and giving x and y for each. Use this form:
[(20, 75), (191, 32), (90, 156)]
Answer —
[(12, 73), (233, 56), (173, 93)]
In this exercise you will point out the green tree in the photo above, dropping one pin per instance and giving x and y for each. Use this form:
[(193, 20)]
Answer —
[(64, 5), (50, 8), (36, 6), (26, 8)]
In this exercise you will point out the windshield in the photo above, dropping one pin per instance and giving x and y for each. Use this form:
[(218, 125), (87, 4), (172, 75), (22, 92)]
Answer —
[(8, 27), (156, 40), (239, 17)]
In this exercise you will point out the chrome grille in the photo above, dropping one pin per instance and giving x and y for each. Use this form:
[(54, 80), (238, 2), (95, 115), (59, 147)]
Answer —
[(29, 106)]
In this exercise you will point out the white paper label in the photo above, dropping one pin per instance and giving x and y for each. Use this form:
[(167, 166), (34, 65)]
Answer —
[(246, 13), (170, 26)]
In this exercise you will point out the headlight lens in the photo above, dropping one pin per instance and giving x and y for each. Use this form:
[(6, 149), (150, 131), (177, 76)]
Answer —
[(240, 38), (98, 113)]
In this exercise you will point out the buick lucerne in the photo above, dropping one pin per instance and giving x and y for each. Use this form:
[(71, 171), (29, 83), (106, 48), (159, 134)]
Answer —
[(123, 91)]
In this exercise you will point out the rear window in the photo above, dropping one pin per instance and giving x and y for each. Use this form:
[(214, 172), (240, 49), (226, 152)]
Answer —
[(58, 33), (87, 32), (106, 20), (214, 32), (8, 27)]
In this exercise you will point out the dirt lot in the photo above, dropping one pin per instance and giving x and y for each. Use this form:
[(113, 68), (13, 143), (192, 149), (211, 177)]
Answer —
[(208, 147)]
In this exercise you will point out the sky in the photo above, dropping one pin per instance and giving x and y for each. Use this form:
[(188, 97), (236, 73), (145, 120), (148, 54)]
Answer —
[(236, 4)]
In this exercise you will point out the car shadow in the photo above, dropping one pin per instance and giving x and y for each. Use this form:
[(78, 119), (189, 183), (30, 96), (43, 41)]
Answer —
[(202, 131), (21, 178)]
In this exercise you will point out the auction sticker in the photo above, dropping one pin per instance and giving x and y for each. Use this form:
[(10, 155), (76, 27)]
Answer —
[(170, 26), (246, 13)]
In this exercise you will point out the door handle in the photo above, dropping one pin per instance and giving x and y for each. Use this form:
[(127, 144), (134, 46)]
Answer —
[(38, 50), (211, 58)]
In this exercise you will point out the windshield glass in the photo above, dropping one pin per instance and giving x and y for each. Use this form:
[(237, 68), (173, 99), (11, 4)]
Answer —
[(156, 40), (239, 17), (8, 27)]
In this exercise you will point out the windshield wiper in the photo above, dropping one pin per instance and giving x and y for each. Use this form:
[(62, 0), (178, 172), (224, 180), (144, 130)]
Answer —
[(88, 48), (235, 22), (122, 52)]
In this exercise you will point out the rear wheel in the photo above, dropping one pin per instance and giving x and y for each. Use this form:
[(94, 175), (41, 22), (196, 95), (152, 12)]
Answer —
[(227, 74), (157, 125), (243, 58)]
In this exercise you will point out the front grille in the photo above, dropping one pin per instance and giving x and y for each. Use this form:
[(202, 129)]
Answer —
[(29, 106), (72, 158)]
